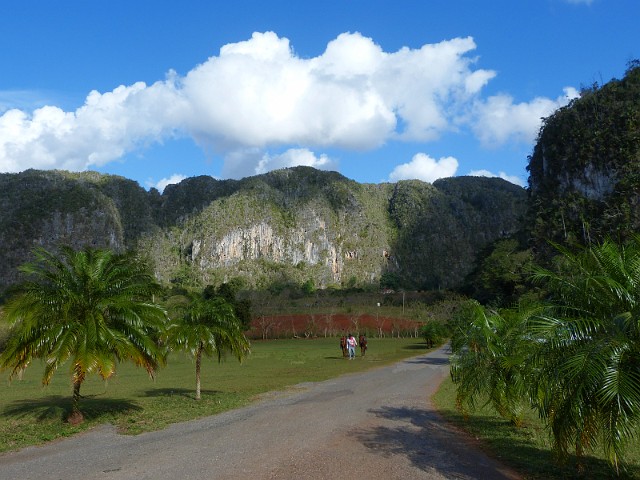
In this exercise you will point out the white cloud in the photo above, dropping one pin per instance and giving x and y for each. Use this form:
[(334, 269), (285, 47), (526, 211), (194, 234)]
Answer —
[(423, 167), (292, 158), (253, 161), (162, 184), (499, 120), (258, 94), (106, 127), (509, 178)]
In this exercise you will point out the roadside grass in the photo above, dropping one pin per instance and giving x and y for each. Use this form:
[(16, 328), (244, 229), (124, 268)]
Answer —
[(31, 414), (527, 449)]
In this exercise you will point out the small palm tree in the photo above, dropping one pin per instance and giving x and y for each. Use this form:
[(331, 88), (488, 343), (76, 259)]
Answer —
[(490, 359), (207, 326), (91, 307), (589, 349)]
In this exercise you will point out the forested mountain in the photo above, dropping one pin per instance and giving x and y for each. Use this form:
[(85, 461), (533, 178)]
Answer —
[(285, 227), (585, 168), (301, 225)]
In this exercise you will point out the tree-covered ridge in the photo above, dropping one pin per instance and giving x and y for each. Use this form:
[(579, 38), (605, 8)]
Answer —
[(444, 227), (585, 168), (296, 225)]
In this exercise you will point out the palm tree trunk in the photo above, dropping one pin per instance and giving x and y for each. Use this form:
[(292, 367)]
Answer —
[(198, 362), (76, 417), (75, 403)]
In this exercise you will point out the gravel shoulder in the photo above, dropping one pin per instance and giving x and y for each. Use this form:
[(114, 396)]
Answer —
[(376, 424)]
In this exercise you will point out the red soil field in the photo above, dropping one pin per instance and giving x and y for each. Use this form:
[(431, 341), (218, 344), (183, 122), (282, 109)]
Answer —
[(330, 325)]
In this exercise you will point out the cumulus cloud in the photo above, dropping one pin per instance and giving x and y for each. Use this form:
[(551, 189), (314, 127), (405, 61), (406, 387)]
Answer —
[(509, 178), (423, 167), (162, 184), (105, 128), (253, 161), (258, 94), (295, 157), (499, 120)]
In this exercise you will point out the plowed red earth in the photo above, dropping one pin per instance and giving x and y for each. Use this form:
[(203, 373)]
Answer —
[(319, 325)]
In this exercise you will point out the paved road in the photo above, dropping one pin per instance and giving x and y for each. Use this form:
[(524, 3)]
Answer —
[(373, 425)]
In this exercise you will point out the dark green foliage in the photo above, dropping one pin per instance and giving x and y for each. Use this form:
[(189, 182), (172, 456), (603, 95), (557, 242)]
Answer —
[(90, 308), (589, 348), (308, 287), (491, 359), (390, 280), (136, 207), (434, 333), (585, 168), (34, 204), (501, 275), (277, 230), (444, 226), (191, 196), (285, 188), (573, 358), (229, 292)]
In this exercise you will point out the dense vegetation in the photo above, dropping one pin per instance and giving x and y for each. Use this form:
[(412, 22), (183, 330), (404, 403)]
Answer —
[(585, 168), (285, 228), (570, 348), (573, 358)]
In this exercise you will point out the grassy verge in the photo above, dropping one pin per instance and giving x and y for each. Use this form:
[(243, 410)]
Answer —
[(33, 414), (527, 449)]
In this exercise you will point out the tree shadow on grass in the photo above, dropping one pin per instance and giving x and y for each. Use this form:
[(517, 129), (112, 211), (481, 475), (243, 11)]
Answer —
[(57, 407), (416, 346), (178, 392), (434, 445), (527, 457)]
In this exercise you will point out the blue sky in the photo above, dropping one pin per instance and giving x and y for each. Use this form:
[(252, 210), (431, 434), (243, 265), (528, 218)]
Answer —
[(157, 91)]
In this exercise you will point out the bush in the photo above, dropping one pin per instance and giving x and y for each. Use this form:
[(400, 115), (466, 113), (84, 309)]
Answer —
[(434, 333)]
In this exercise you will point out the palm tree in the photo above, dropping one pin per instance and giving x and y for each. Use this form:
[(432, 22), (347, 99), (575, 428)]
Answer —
[(207, 326), (588, 387), (91, 307), (490, 359)]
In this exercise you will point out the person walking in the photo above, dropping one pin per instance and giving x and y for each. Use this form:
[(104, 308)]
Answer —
[(351, 345)]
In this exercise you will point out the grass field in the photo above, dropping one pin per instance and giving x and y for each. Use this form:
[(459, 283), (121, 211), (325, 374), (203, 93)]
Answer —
[(528, 448), (32, 414)]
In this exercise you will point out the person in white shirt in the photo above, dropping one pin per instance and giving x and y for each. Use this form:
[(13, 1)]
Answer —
[(351, 345)]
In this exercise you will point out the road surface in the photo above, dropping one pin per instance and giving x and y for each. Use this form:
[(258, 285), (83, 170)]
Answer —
[(373, 425)]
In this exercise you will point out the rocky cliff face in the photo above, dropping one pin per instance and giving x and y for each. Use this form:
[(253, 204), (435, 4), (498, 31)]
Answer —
[(289, 226), (584, 179), (48, 208)]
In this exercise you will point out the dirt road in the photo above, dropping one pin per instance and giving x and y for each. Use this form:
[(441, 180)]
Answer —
[(373, 425)]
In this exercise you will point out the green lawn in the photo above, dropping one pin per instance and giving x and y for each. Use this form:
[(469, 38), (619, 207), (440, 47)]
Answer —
[(32, 414), (527, 449)]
